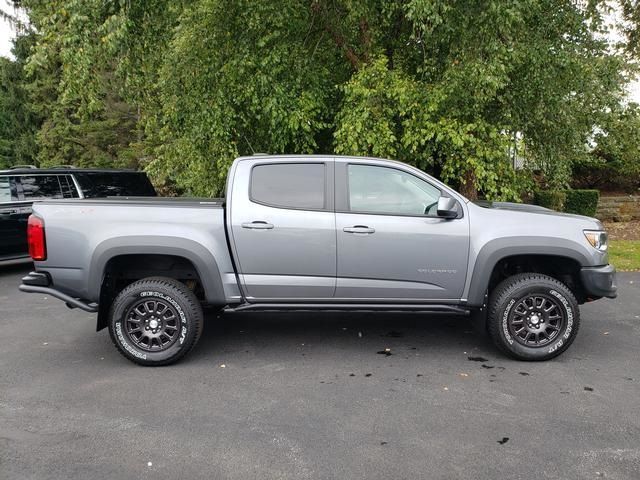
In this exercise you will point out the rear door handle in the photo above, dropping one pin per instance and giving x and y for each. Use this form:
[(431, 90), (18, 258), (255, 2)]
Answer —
[(258, 225), (8, 212), (359, 229)]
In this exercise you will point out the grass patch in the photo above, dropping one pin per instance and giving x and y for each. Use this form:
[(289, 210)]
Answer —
[(624, 254)]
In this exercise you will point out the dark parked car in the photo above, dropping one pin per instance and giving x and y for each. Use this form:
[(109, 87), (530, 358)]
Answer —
[(20, 186)]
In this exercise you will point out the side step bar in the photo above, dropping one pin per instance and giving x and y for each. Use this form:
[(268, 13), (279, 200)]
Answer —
[(365, 307)]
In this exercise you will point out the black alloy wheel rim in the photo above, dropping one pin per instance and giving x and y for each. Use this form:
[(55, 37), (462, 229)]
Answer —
[(536, 320), (152, 325)]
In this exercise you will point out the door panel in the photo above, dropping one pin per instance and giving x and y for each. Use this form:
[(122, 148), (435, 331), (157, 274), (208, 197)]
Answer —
[(284, 252), (390, 243), (13, 220), (294, 259), (12, 240), (406, 257)]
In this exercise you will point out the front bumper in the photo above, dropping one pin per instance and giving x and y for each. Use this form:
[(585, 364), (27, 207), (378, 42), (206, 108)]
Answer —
[(599, 281), (39, 282)]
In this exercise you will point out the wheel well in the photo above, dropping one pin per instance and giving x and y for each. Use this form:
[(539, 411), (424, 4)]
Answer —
[(123, 270), (564, 269)]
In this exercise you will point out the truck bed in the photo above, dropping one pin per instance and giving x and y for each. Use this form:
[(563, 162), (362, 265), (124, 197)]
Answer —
[(84, 234)]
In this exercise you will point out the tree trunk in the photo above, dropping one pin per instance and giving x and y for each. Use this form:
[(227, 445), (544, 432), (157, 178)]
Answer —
[(468, 185)]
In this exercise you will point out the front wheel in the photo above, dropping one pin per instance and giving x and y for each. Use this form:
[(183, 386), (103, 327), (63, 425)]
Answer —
[(533, 317), (155, 321)]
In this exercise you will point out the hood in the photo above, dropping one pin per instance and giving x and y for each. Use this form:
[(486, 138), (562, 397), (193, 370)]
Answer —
[(525, 207), (513, 206)]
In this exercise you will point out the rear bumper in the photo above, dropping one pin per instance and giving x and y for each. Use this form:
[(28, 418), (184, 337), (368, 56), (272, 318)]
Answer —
[(38, 282), (599, 281)]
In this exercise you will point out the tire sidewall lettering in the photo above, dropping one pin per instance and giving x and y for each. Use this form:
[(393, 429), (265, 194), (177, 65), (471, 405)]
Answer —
[(505, 321), (568, 310), (126, 345), (570, 319)]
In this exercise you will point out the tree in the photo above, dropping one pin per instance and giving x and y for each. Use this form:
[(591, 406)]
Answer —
[(74, 89), (18, 122), (445, 86), (614, 161), (631, 14)]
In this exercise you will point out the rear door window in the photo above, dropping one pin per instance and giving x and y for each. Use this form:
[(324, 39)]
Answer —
[(7, 193), (40, 186), (289, 185)]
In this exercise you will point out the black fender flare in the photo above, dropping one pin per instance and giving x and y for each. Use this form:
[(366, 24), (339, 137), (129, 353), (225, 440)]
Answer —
[(500, 248), (202, 259)]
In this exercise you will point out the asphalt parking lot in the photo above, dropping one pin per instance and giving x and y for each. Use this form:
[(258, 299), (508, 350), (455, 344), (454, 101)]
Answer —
[(310, 396)]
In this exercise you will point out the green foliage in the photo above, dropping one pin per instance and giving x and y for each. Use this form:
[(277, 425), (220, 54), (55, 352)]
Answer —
[(18, 122), (387, 114), (553, 199), (614, 162), (73, 88), (375, 106), (582, 202), (631, 14), (237, 80), (182, 87), (104, 139)]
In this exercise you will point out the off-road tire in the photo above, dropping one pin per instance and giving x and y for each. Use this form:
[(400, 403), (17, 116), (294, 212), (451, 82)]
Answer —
[(512, 297), (184, 307)]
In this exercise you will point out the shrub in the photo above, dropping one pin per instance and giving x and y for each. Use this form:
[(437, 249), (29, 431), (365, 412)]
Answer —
[(582, 202), (604, 177), (553, 199)]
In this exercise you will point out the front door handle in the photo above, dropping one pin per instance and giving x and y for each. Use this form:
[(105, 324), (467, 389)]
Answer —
[(359, 229), (258, 225)]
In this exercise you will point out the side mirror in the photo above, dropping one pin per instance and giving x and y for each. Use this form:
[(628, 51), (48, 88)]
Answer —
[(447, 207)]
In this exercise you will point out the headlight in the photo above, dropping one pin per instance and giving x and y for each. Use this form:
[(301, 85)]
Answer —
[(598, 239)]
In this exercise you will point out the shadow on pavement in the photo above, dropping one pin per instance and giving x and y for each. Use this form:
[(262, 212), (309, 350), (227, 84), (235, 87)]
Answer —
[(399, 332)]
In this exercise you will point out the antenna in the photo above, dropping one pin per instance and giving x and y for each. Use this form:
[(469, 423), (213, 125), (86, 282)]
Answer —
[(249, 143)]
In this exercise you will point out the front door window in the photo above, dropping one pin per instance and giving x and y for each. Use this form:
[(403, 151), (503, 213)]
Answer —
[(383, 190)]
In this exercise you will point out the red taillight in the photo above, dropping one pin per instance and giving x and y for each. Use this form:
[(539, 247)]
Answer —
[(35, 238)]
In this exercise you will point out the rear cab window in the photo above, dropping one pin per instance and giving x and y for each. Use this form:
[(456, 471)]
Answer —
[(289, 185)]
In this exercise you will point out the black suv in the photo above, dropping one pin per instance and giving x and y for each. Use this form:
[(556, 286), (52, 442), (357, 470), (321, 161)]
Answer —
[(20, 186)]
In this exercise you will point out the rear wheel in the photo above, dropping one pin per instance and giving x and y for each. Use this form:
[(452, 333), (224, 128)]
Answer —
[(533, 317), (155, 321)]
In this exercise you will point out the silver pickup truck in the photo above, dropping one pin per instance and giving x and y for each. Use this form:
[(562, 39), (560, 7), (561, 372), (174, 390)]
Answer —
[(319, 232)]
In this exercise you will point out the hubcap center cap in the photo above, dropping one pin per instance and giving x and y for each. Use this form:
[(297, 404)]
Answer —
[(535, 319), (153, 324)]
